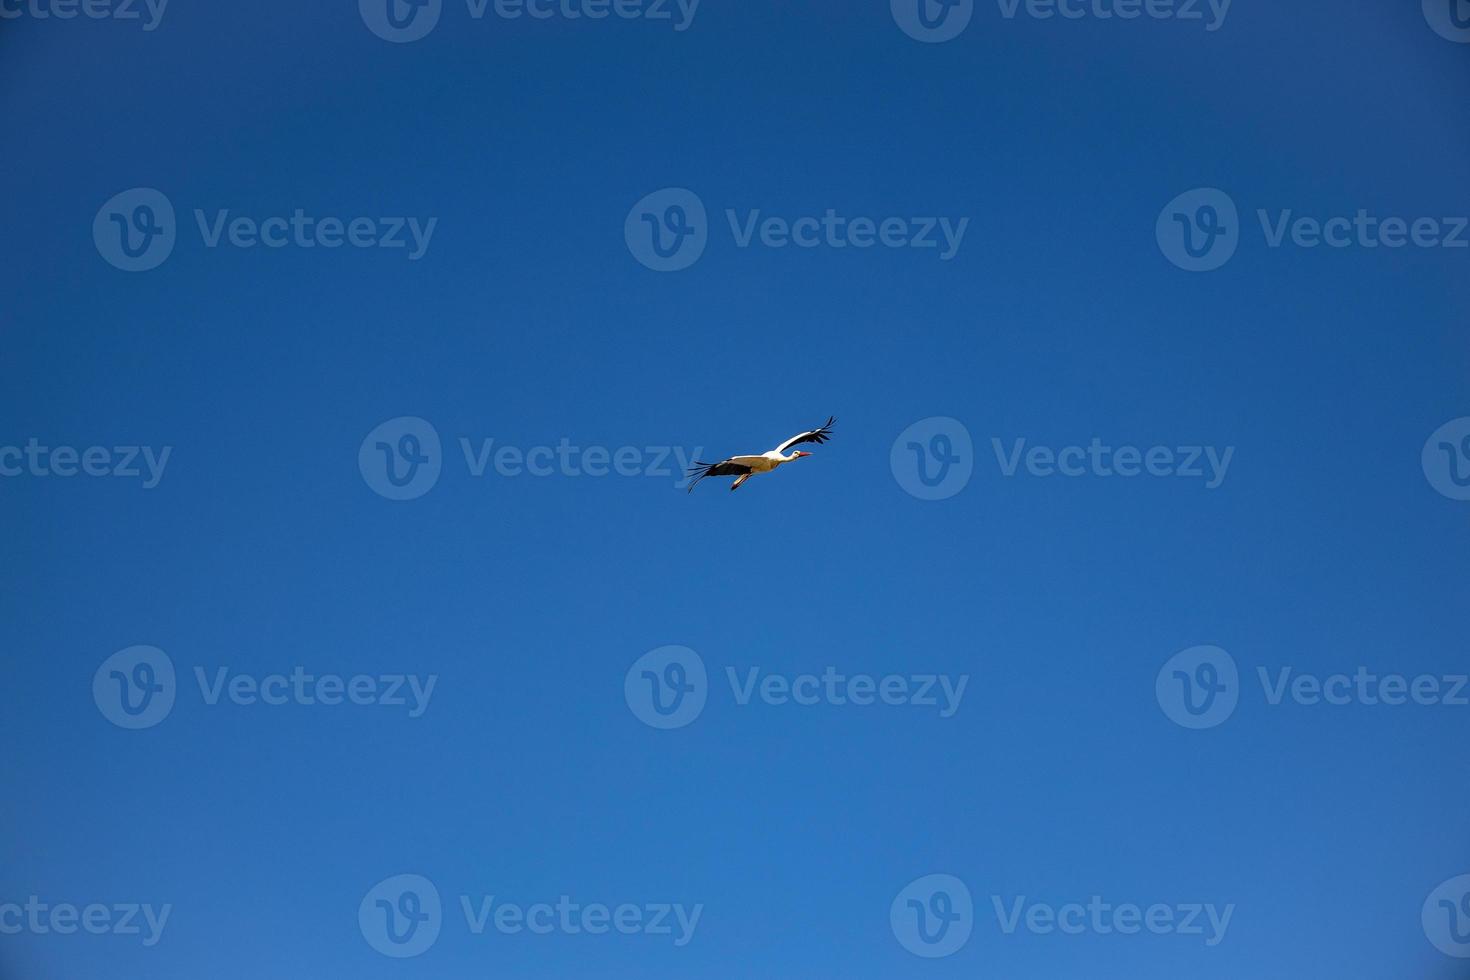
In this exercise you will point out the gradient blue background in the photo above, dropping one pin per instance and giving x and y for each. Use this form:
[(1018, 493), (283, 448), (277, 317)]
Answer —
[(528, 321)]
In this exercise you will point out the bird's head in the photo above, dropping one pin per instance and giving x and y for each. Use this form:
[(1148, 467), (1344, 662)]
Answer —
[(798, 454)]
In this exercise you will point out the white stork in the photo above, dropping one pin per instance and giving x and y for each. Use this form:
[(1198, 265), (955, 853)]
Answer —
[(742, 468)]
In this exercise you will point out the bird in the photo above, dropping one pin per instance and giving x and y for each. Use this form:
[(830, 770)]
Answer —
[(742, 468)]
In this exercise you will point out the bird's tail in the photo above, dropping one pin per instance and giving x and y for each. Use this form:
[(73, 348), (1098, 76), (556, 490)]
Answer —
[(696, 473)]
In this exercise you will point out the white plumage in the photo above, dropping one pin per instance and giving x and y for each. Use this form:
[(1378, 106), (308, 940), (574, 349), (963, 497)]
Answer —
[(744, 467)]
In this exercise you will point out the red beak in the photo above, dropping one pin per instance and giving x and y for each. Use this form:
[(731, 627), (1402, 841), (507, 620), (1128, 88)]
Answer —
[(799, 453)]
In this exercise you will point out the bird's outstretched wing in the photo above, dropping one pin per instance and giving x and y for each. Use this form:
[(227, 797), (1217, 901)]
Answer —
[(727, 467), (818, 436)]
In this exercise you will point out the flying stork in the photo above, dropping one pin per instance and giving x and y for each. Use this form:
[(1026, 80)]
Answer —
[(742, 468)]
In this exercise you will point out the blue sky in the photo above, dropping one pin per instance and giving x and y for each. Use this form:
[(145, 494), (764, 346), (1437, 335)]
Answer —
[(1326, 547)]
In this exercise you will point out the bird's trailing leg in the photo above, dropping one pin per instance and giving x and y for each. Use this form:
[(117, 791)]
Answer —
[(739, 480), (728, 467)]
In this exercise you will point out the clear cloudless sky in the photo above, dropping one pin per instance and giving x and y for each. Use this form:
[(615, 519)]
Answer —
[(528, 321)]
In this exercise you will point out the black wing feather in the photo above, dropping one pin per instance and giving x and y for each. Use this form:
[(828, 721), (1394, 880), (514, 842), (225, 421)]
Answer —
[(723, 468), (818, 435)]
